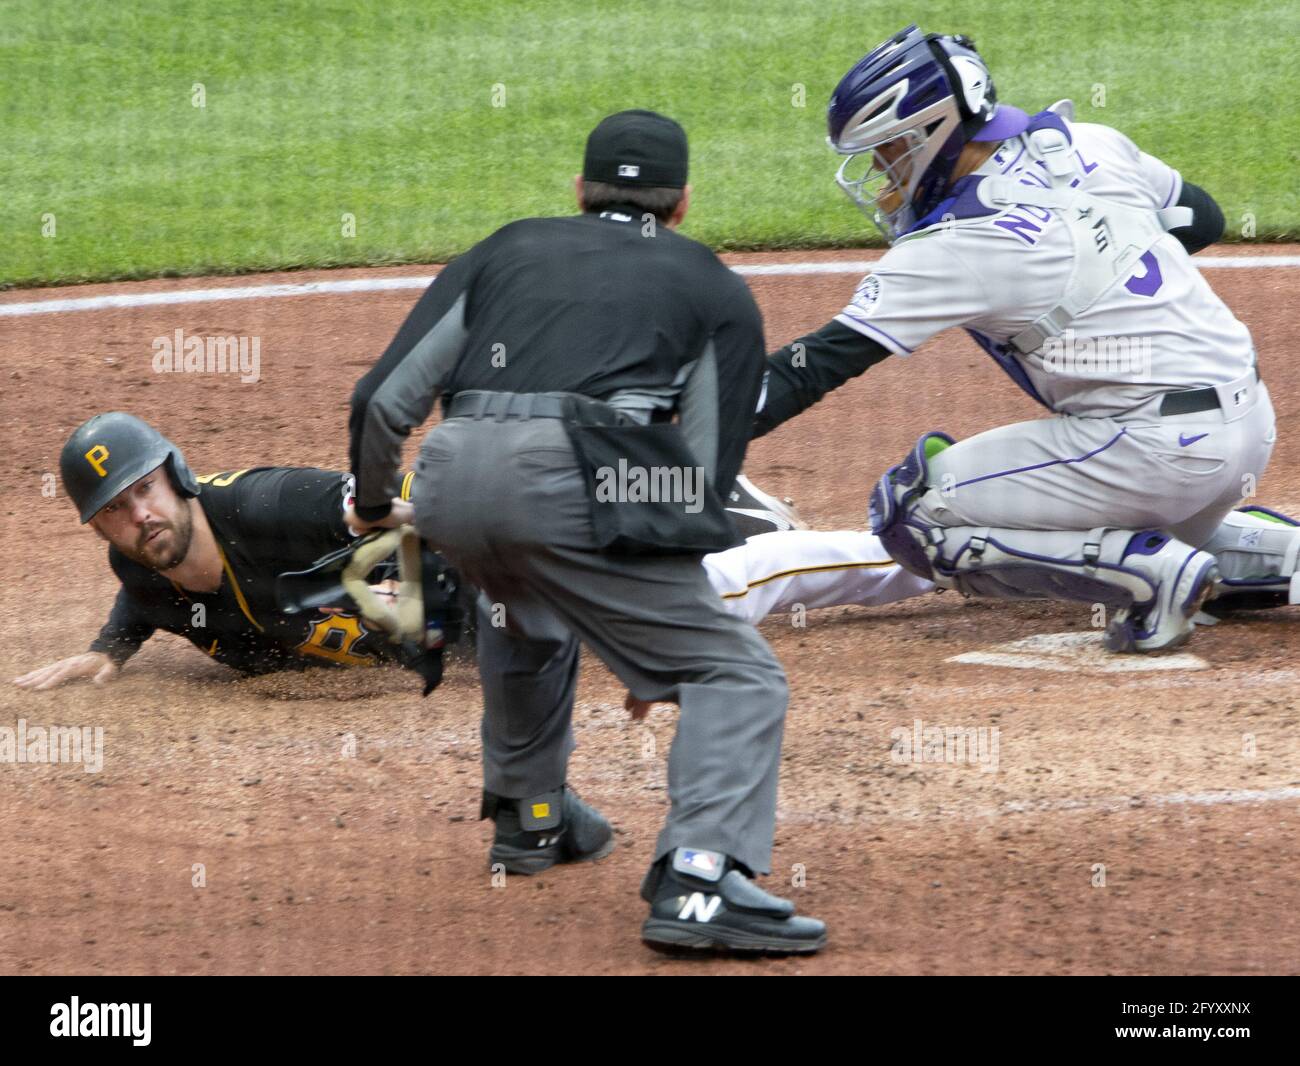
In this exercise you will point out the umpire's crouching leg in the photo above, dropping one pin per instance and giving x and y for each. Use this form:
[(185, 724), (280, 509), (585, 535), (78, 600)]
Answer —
[(506, 502)]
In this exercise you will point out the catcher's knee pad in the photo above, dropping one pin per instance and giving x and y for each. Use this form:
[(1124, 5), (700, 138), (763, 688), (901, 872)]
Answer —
[(893, 506)]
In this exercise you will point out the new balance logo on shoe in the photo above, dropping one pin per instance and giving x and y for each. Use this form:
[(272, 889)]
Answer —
[(699, 907)]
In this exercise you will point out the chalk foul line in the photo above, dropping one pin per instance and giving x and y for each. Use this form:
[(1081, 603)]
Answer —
[(359, 285), (1062, 805)]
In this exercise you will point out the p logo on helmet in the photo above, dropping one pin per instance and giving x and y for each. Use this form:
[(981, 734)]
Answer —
[(96, 457), (134, 447)]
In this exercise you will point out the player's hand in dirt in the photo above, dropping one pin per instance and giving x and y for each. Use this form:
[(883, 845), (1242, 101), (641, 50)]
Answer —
[(402, 514), (92, 664)]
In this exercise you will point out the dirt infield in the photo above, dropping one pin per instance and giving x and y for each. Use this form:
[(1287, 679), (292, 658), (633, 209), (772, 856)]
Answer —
[(1139, 821)]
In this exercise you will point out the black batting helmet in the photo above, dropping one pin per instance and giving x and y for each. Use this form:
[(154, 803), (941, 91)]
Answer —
[(111, 451)]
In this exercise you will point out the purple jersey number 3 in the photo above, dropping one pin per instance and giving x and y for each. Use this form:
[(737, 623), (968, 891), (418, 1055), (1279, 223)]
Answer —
[(1149, 281)]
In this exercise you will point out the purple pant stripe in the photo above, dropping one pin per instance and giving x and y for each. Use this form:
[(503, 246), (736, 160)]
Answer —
[(1040, 466)]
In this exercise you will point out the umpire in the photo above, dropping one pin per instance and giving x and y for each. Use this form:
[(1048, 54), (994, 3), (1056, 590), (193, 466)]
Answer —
[(599, 375)]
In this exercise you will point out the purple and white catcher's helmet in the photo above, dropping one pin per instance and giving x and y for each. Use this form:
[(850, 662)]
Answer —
[(903, 115)]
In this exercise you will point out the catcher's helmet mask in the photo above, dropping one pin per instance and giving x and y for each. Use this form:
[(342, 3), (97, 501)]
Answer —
[(928, 95), (110, 452)]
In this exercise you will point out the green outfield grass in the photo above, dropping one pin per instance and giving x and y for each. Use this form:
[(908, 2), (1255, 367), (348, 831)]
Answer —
[(384, 110)]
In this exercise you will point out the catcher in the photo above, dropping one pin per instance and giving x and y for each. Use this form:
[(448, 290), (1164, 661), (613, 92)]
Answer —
[(1064, 250), (201, 557)]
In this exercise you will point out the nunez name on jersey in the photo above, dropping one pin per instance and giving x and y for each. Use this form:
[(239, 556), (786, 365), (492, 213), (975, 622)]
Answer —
[(994, 272)]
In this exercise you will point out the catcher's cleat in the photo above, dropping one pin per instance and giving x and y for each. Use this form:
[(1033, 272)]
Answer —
[(1183, 578), (753, 511), (701, 901), (535, 833)]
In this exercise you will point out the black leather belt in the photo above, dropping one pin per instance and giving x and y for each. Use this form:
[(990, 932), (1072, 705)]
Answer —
[(1188, 403), (570, 406)]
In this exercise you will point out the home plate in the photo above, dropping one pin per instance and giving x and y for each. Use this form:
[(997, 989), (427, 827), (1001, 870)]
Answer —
[(1072, 652)]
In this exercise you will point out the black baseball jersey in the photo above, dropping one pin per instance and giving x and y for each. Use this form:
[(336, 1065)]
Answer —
[(605, 305), (266, 520)]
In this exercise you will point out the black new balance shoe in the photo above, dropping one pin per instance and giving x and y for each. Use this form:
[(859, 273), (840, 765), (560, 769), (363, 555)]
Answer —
[(534, 834), (702, 901)]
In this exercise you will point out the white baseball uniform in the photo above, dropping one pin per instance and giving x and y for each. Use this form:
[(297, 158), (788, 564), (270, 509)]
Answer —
[(806, 568), (1057, 264), (1109, 458)]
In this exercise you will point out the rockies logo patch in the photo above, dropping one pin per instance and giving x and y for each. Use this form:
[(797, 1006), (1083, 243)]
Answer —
[(867, 294)]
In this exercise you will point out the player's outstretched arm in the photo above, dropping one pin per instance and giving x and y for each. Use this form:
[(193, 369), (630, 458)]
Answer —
[(92, 664), (119, 639), (805, 370)]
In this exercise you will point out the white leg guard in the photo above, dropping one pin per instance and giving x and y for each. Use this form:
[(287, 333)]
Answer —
[(809, 568), (1151, 583), (1259, 558)]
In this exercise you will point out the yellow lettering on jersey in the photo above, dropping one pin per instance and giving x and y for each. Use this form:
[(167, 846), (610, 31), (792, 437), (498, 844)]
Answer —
[(95, 457), (333, 637), (220, 481)]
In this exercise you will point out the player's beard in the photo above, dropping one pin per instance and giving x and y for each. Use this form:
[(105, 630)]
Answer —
[(169, 548)]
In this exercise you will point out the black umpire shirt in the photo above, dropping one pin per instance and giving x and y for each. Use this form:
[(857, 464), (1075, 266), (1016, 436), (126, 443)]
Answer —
[(266, 520), (610, 305)]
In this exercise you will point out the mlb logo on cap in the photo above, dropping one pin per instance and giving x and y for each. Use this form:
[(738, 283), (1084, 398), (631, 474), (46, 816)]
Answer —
[(636, 148), (704, 861)]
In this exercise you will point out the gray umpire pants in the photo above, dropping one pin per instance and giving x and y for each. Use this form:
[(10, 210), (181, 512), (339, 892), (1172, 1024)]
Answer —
[(505, 501)]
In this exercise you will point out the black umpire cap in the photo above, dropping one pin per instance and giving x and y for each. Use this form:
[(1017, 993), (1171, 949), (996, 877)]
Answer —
[(637, 148)]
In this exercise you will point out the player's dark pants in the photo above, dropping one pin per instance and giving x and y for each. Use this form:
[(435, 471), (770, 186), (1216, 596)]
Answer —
[(506, 502)]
